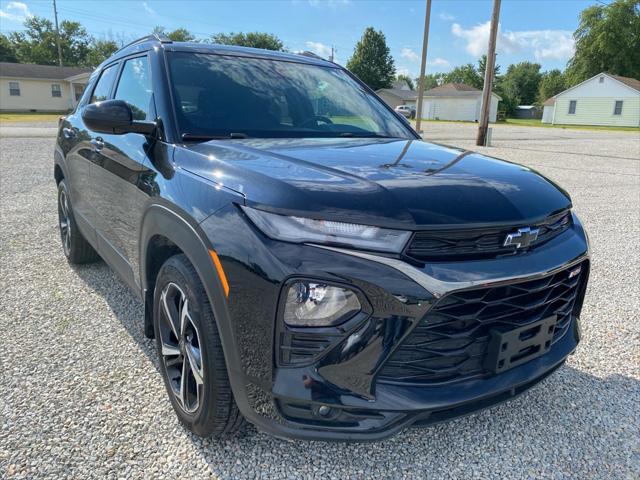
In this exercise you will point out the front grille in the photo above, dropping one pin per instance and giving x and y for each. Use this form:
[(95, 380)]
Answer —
[(450, 343), (442, 245)]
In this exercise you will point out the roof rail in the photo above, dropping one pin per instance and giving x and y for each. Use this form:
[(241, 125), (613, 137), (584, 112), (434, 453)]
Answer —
[(154, 36)]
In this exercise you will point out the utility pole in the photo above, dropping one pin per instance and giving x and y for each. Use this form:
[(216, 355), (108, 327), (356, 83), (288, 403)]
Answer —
[(55, 14), (483, 125), (423, 66), (331, 57)]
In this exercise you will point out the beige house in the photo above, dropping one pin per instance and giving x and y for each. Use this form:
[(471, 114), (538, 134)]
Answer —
[(605, 99), (40, 88), (456, 101)]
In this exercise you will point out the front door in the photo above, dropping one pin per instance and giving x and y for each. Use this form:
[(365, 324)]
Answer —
[(121, 162)]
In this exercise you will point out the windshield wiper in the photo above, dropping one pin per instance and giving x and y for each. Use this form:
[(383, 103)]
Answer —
[(203, 138), (363, 135)]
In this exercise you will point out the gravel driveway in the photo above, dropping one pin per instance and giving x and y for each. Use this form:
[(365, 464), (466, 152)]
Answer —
[(81, 396)]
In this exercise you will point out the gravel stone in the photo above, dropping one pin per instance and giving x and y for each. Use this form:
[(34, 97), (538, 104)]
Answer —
[(81, 395)]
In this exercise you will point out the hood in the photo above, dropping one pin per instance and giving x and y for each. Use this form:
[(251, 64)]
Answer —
[(384, 182)]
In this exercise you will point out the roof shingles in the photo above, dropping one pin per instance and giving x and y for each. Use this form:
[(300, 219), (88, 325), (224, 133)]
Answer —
[(49, 72)]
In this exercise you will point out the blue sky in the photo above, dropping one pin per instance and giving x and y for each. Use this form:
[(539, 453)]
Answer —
[(535, 30)]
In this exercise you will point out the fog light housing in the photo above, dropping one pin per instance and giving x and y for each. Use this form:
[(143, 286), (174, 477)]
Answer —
[(314, 304)]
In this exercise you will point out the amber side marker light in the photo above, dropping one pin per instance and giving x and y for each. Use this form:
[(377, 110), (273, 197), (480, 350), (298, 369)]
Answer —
[(221, 274)]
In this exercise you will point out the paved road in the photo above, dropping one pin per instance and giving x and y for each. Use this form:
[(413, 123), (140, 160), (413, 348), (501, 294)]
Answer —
[(81, 395)]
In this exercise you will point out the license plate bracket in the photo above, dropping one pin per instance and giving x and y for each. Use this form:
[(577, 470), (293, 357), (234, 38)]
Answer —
[(515, 347)]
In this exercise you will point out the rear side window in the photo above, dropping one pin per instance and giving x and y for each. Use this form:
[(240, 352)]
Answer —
[(103, 87), (134, 87)]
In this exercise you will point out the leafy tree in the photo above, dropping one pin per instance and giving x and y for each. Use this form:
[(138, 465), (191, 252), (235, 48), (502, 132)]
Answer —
[(521, 82), (607, 40), (466, 74), (99, 51), (482, 67), (407, 79), (371, 61), (432, 80), (37, 43), (7, 50), (263, 40), (177, 35), (551, 83)]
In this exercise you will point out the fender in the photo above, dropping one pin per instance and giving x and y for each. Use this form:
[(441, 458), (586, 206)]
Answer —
[(189, 237)]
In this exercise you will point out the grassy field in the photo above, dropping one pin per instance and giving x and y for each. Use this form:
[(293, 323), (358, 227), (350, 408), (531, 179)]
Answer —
[(29, 117), (526, 122)]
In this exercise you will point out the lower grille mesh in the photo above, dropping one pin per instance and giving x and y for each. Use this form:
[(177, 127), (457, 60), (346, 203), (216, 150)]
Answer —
[(450, 343)]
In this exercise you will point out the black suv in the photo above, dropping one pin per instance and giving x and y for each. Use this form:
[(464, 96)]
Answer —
[(306, 261)]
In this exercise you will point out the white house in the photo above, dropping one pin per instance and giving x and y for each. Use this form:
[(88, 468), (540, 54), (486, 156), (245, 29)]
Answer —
[(398, 94), (40, 88), (605, 99), (456, 101)]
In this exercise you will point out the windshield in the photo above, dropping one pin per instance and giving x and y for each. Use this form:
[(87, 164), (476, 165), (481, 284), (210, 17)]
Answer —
[(238, 97)]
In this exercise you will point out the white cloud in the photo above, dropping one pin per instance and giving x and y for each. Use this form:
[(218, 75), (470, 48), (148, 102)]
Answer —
[(409, 55), (447, 17), (319, 49), (15, 12), (544, 44), (148, 9), (439, 62)]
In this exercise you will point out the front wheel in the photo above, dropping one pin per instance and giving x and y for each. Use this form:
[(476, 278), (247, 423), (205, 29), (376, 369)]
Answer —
[(191, 357)]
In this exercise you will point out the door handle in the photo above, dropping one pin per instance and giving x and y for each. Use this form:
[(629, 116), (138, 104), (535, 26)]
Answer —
[(68, 133), (98, 144)]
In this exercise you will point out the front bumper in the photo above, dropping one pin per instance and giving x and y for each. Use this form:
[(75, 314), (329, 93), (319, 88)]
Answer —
[(286, 400)]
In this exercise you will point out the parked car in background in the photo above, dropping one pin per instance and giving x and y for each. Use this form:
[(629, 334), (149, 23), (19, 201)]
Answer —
[(407, 111), (306, 261)]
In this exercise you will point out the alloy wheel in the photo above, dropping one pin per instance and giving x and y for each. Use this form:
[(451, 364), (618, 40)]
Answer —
[(64, 220), (180, 348)]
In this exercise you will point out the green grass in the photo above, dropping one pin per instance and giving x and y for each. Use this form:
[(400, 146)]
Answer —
[(29, 117)]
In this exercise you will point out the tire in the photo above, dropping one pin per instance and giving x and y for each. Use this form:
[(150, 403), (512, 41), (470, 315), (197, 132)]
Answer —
[(192, 350), (74, 245)]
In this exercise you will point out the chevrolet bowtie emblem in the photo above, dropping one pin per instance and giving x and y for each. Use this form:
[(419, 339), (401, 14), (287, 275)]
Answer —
[(522, 238)]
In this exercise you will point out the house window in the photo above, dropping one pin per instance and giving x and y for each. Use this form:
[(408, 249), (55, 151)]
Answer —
[(14, 89), (56, 91), (572, 107), (617, 110), (78, 90), (601, 79)]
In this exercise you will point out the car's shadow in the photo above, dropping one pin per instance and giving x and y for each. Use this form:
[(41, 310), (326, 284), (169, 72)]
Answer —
[(531, 430)]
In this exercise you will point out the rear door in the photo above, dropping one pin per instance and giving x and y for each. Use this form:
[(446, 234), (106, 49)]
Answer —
[(77, 143), (118, 170)]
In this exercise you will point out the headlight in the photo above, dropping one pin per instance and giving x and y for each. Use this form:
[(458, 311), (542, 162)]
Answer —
[(313, 304), (303, 230)]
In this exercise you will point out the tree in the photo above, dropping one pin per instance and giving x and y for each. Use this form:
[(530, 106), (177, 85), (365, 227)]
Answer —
[(99, 51), (263, 40), (177, 35), (7, 50), (466, 74), (551, 83), (432, 80), (521, 82), (482, 67), (371, 61), (37, 43), (607, 40), (406, 79)]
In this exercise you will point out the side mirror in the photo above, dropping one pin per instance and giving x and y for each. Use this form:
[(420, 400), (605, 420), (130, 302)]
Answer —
[(114, 116)]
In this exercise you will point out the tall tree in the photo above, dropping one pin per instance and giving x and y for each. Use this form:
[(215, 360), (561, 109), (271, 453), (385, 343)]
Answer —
[(371, 61), (37, 43), (607, 40), (177, 35), (482, 67), (407, 79), (466, 74), (551, 83), (521, 82), (263, 40), (99, 51), (7, 50)]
